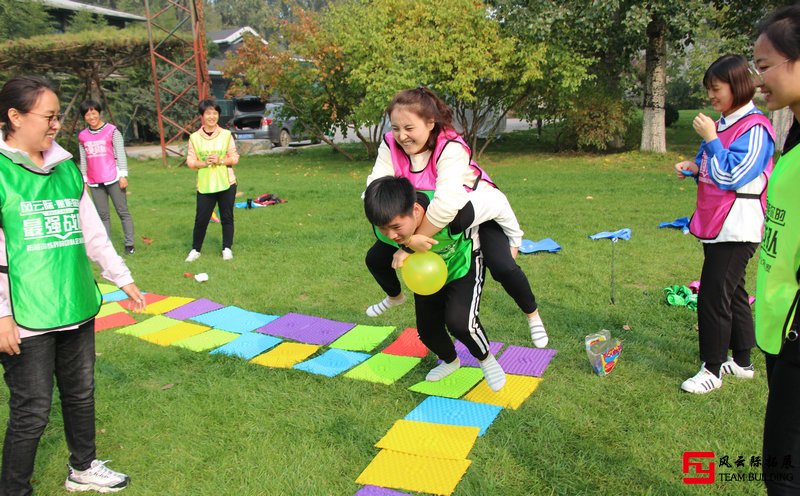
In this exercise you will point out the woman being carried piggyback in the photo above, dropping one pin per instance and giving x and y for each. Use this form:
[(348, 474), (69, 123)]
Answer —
[(423, 147), (731, 169)]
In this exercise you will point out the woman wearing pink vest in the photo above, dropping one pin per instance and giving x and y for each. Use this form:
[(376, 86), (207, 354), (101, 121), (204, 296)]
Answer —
[(731, 169), (105, 169), (423, 147)]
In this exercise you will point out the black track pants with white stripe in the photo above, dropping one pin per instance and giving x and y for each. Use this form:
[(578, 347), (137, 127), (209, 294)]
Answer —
[(454, 308)]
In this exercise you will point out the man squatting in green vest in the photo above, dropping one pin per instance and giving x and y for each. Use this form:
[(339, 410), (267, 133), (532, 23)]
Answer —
[(396, 209)]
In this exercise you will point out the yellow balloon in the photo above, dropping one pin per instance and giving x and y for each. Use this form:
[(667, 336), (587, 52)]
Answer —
[(424, 273)]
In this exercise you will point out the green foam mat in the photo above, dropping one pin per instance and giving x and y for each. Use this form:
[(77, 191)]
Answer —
[(362, 338), (207, 340), (454, 385), (149, 326), (383, 368)]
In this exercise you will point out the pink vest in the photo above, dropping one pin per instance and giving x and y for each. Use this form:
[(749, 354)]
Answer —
[(714, 204), (425, 180), (101, 166)]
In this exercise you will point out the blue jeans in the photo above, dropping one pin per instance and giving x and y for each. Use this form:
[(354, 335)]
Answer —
[(69, 357)]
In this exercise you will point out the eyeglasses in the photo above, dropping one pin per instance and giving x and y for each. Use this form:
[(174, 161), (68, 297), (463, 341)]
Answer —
[(51, 119), (757, 75)]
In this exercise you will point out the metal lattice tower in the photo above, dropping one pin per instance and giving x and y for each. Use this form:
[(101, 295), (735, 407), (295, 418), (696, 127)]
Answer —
[(180, 77)]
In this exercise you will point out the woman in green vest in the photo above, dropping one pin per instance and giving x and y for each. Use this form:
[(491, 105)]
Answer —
[(776, 70), (212, 152), (49, 229)]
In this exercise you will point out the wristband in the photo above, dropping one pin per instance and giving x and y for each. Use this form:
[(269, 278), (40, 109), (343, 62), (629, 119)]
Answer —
[(406, 249)]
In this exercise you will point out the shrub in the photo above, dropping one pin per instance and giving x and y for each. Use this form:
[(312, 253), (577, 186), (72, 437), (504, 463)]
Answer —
[(671, 115), (596, 121)]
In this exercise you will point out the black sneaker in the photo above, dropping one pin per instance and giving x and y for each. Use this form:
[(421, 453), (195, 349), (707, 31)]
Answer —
[(129, 250)]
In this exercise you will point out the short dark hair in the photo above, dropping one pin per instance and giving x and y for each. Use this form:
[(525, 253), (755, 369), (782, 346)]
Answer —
[(21, 93), (782, 29), (387, 197), (732, 69), (90, 104), (207, 104)]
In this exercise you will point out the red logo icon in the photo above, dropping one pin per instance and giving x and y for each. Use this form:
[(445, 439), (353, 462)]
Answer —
[(694, 471)]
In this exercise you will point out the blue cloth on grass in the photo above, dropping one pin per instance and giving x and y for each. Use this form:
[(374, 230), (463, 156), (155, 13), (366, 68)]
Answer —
[(681, 223), (615, 235), (547, 244)]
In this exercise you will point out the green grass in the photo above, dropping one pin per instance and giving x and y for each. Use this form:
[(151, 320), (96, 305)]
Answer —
[(184, 423)]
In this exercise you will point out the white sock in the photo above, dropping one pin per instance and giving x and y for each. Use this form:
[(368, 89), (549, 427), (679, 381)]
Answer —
[(493, 372), (443, 370), (538, 334), (385, 304)]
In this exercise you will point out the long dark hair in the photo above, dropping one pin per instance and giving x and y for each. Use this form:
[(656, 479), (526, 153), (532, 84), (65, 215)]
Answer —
[(428, 106), (21, 93)]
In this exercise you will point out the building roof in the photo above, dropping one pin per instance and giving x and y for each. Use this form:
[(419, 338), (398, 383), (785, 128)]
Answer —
[(232, 36), (77, 6)]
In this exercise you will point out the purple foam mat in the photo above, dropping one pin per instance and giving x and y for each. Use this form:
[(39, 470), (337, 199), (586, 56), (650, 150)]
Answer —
[(466, 357), (521, 360), (193, 309), (306, 328), (378, 491)]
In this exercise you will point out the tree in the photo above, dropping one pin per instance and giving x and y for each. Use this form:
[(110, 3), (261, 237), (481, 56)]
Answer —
[(23, 19)]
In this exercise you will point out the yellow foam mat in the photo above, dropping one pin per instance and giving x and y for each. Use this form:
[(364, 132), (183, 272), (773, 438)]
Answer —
[(413, 472), (177, 332), (110, 309), (286, 355), (513, 394), (169, 303), (452, 442)]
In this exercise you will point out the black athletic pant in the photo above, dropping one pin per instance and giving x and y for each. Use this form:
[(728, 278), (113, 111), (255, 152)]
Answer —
[(781, 456), (205, 206), (454, 308), (724, 317), (497, 257)]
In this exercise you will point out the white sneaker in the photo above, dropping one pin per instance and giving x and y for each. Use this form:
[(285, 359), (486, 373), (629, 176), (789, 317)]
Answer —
[(193, 255), (385, 304), (443, 370), (493, 373), (732, 368), (97, 477), (703, 382), (227, 254)]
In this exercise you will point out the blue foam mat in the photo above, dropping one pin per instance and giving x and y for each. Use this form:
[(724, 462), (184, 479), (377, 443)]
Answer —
[(117, 295), (438, 410), (234, 319), (248, 345), (333, 362)]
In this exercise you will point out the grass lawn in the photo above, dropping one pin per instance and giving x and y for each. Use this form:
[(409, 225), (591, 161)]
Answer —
[(185, 423)]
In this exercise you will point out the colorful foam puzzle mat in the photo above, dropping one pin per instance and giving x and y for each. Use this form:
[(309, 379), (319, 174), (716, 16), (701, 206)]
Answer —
[(181, 330), (414, 473), (112, 321), (513, 394), (117, 295), (163, 306), (109, 309), (383, 368), (234, 319), (378, 491), (466, 357), (521, 360), (438, 410), (193, 309), (362, 338), (333, 362), (407, 344), (306, 329), (207, 340), (248, 345), (452, 442), (286, 355), (149, 298), (149, 326), (454, 385)]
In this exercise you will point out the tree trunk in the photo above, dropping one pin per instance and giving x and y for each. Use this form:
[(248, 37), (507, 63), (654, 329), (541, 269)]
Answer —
[(655, 88)]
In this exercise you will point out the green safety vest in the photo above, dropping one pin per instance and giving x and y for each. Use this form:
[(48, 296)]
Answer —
[(455, 249), (215, 178), (777, 287), (49, 276)]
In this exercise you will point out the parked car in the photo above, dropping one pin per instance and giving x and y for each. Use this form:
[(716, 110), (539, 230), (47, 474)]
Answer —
[(248, 121), (253, 119)]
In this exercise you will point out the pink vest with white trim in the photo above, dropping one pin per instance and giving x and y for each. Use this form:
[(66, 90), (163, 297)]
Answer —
[(101, 166), (425, 180), (714, 204)]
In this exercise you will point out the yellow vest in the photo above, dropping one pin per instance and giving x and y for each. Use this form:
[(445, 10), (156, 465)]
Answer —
[(214, 178)]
